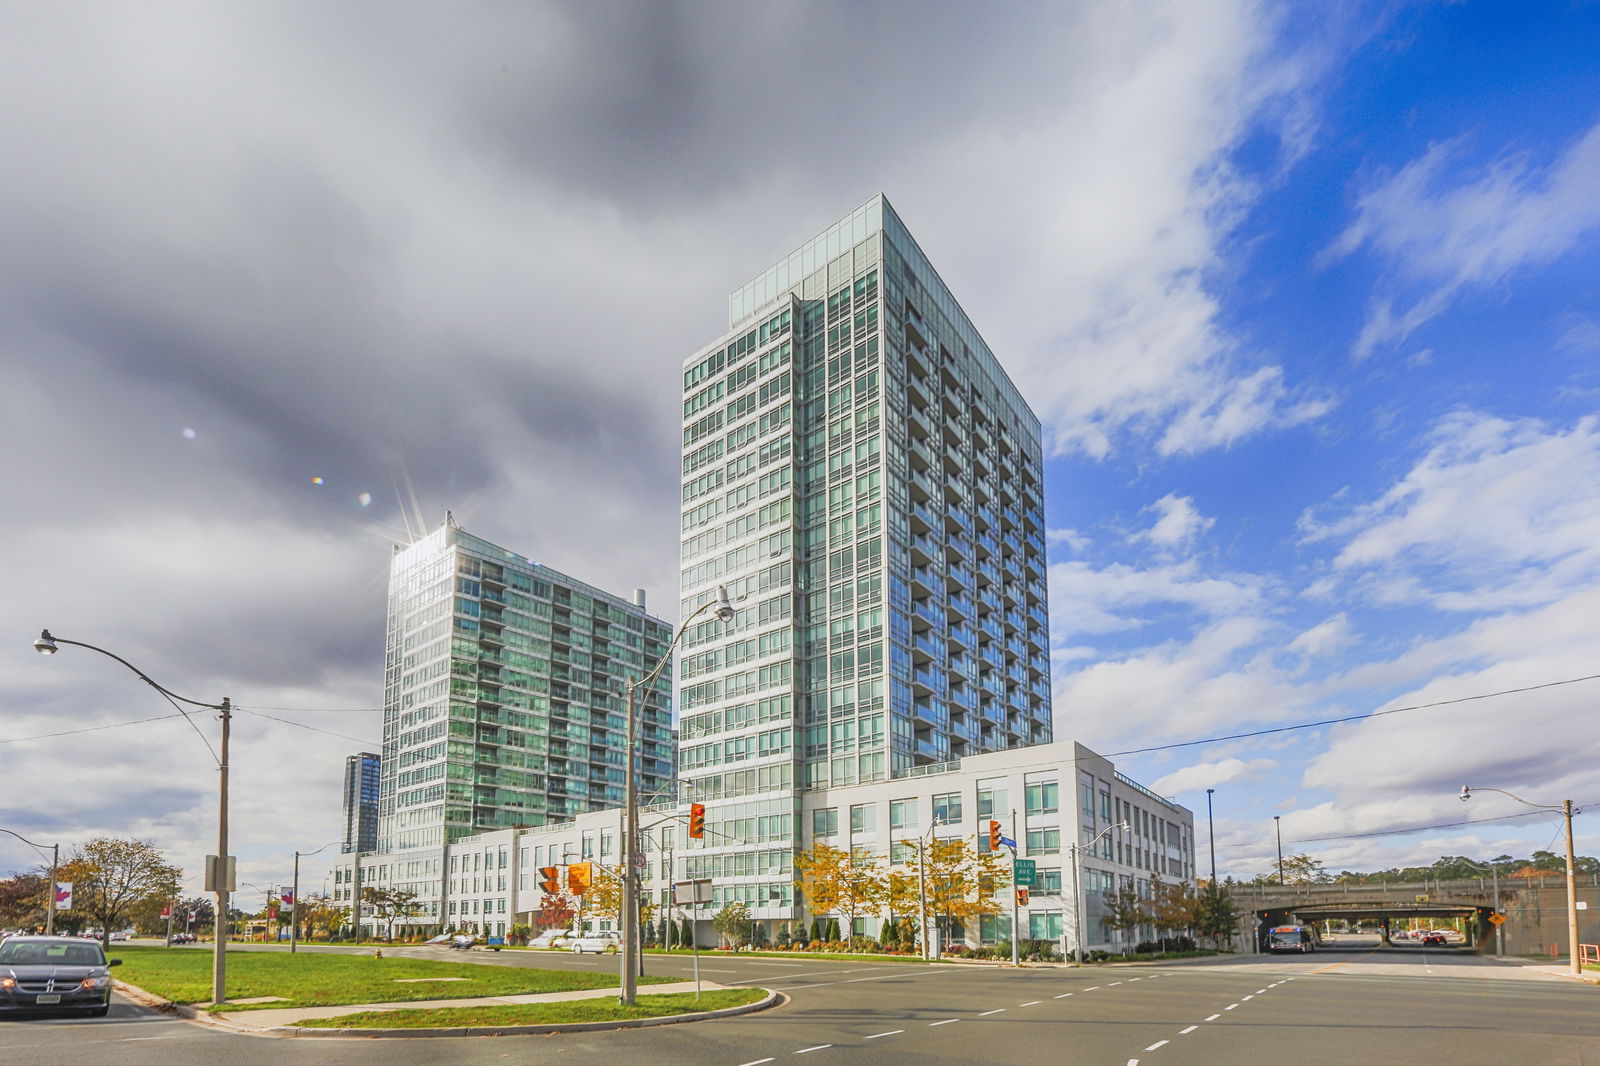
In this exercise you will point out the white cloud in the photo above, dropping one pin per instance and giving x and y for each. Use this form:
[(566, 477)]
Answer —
[(1086, 599), (1327, 637), (1179, 522), (1212, 774), (1497, 513), (1579, 336), (1442, 233)]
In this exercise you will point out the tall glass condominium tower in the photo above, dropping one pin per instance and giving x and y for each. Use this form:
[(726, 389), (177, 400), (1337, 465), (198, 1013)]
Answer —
[(361, 775), (866, 480), (503, 695)]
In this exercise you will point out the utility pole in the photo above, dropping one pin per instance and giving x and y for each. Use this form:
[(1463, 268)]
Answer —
[(1211, 833), (219, 957), (1016, 932), (1277, 825)]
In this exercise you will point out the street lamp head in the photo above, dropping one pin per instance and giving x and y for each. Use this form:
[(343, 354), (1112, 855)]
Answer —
[(46, 644), (724, 605)]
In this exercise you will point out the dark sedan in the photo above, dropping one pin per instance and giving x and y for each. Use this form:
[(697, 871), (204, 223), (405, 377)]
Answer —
[(54, 973)]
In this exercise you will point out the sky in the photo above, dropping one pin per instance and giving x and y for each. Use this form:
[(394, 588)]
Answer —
[(1306, 296)]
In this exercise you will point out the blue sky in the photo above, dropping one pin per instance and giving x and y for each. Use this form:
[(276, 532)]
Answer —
[(1305, 296)]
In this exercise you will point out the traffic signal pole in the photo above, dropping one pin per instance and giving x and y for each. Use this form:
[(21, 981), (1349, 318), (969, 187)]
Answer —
[(1016, 955)]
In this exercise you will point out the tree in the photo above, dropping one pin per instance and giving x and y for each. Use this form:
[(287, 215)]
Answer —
[(390, 905), (1299, 869), (317, 910), (733, 923), (23, 899), (604, 898), (846, 883), (960, 883), (555, 912), (1173, 906), (1125, 911), (1216, 916), (110, 877)]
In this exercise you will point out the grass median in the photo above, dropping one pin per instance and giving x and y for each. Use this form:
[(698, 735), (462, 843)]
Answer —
[(561, 1013), (324, 979)]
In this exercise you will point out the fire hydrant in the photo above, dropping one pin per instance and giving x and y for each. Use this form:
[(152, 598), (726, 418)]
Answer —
[(377, 953)]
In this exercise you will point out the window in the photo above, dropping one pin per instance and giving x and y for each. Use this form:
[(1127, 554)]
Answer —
[(825, 822), (1044, 797), (863, 818), (1049, 882), (947, 808), (992, 801), (902, 814), (1044, 842), (1044, 925)]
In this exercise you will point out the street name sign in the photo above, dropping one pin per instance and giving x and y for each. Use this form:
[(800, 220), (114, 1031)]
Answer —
[(1026, 873)]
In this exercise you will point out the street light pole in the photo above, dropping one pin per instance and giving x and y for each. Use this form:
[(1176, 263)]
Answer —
[(50, 889), (1565, 807), (1211, 834), (1077, 886), (294, 896), (922, 887), (630, 892), (1277, 824), (47, 645)]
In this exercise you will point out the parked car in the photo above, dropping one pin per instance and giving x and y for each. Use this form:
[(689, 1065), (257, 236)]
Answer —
[(181, 938), (54, 973), (597, 942), (551, 938), (118, 937), (462, 941)]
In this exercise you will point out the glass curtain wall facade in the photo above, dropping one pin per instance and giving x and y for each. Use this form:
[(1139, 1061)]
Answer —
[(865, 479), (360, 802), (504, 699)]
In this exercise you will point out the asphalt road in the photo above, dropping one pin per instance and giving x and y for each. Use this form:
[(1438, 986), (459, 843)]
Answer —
[(1412, 1006)]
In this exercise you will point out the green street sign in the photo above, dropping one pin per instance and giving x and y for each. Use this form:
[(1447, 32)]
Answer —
[(1027, 872)]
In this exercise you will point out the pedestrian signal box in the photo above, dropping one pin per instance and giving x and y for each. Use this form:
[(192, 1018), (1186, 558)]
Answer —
[(1022, 897), (580, 876)]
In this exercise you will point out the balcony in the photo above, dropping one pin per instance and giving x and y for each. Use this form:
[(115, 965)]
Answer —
[(923, 549)]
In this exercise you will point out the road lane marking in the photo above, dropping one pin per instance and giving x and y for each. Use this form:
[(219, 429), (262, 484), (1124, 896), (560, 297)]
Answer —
[(1261, 990), (1030, 1003), (1230, 1006), (997, 1010), (1091, 988), (1186, 1032), (1132, 979), (891, 1032), (1064, 995), (1247, 999), (1213, 1018), (755, 1062), (947, 1021), (1157, 1045), (819, 1047), (1113, 984)]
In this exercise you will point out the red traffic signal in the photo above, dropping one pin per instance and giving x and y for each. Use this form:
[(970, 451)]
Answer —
[(1022, 897), (697, 820), (994, 836), (550, 880)]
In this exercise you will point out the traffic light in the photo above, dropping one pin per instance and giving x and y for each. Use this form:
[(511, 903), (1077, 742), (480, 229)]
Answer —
[(994, 836), (580, 875), (550, 880), (697, 820), (1022, 897)]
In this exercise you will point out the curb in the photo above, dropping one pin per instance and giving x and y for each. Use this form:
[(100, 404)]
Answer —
[(189, 1013), (773, 999)]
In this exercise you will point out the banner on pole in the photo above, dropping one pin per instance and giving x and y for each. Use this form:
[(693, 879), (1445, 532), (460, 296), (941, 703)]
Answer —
[(63, 895)]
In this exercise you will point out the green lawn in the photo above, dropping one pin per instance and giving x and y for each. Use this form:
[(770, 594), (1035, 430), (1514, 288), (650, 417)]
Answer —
[(316, 979), (578, 1010)]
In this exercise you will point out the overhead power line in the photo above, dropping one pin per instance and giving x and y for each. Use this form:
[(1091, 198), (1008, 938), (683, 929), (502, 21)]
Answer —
[(1402, 832), (1350, 718)]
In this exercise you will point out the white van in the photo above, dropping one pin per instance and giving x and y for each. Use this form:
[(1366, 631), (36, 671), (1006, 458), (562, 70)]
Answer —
[(602, 941)]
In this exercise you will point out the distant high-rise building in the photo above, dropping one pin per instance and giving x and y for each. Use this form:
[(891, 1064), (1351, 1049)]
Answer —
[(504, 699), (361, 802), (862, 475)]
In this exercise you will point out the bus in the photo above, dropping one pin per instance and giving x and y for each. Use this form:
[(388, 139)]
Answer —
[(1290, 938)]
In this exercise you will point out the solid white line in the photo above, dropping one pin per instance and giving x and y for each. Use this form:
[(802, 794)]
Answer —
[(891, 1032), (1186, 1032), (755, 1062), (947, 1021), (1030, 1003), (1157, 1044), (1213, 1018), (819, 1047), (997, 1010)]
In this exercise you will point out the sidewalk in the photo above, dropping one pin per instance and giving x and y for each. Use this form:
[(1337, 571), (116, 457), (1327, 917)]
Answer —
[(275, 1018)]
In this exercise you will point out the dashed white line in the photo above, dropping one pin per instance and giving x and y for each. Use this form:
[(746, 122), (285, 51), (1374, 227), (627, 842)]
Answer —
[(1064, 995), (1261, 990), (947, 1021), (1113, 984), (755, 1062), (1091, 988), (819, 1047), (1132, 979), (997, 1010), (1213, 1018), (891, 1032), (1030, 1003), (1157, 1044), (1230, 1006), (1186, 1032), (1247, 999)]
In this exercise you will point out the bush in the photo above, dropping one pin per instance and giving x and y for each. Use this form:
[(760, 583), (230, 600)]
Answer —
[(785, 939), (1164, 945)]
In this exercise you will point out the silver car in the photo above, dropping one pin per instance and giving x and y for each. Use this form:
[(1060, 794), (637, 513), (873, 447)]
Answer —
[(54, 973)]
